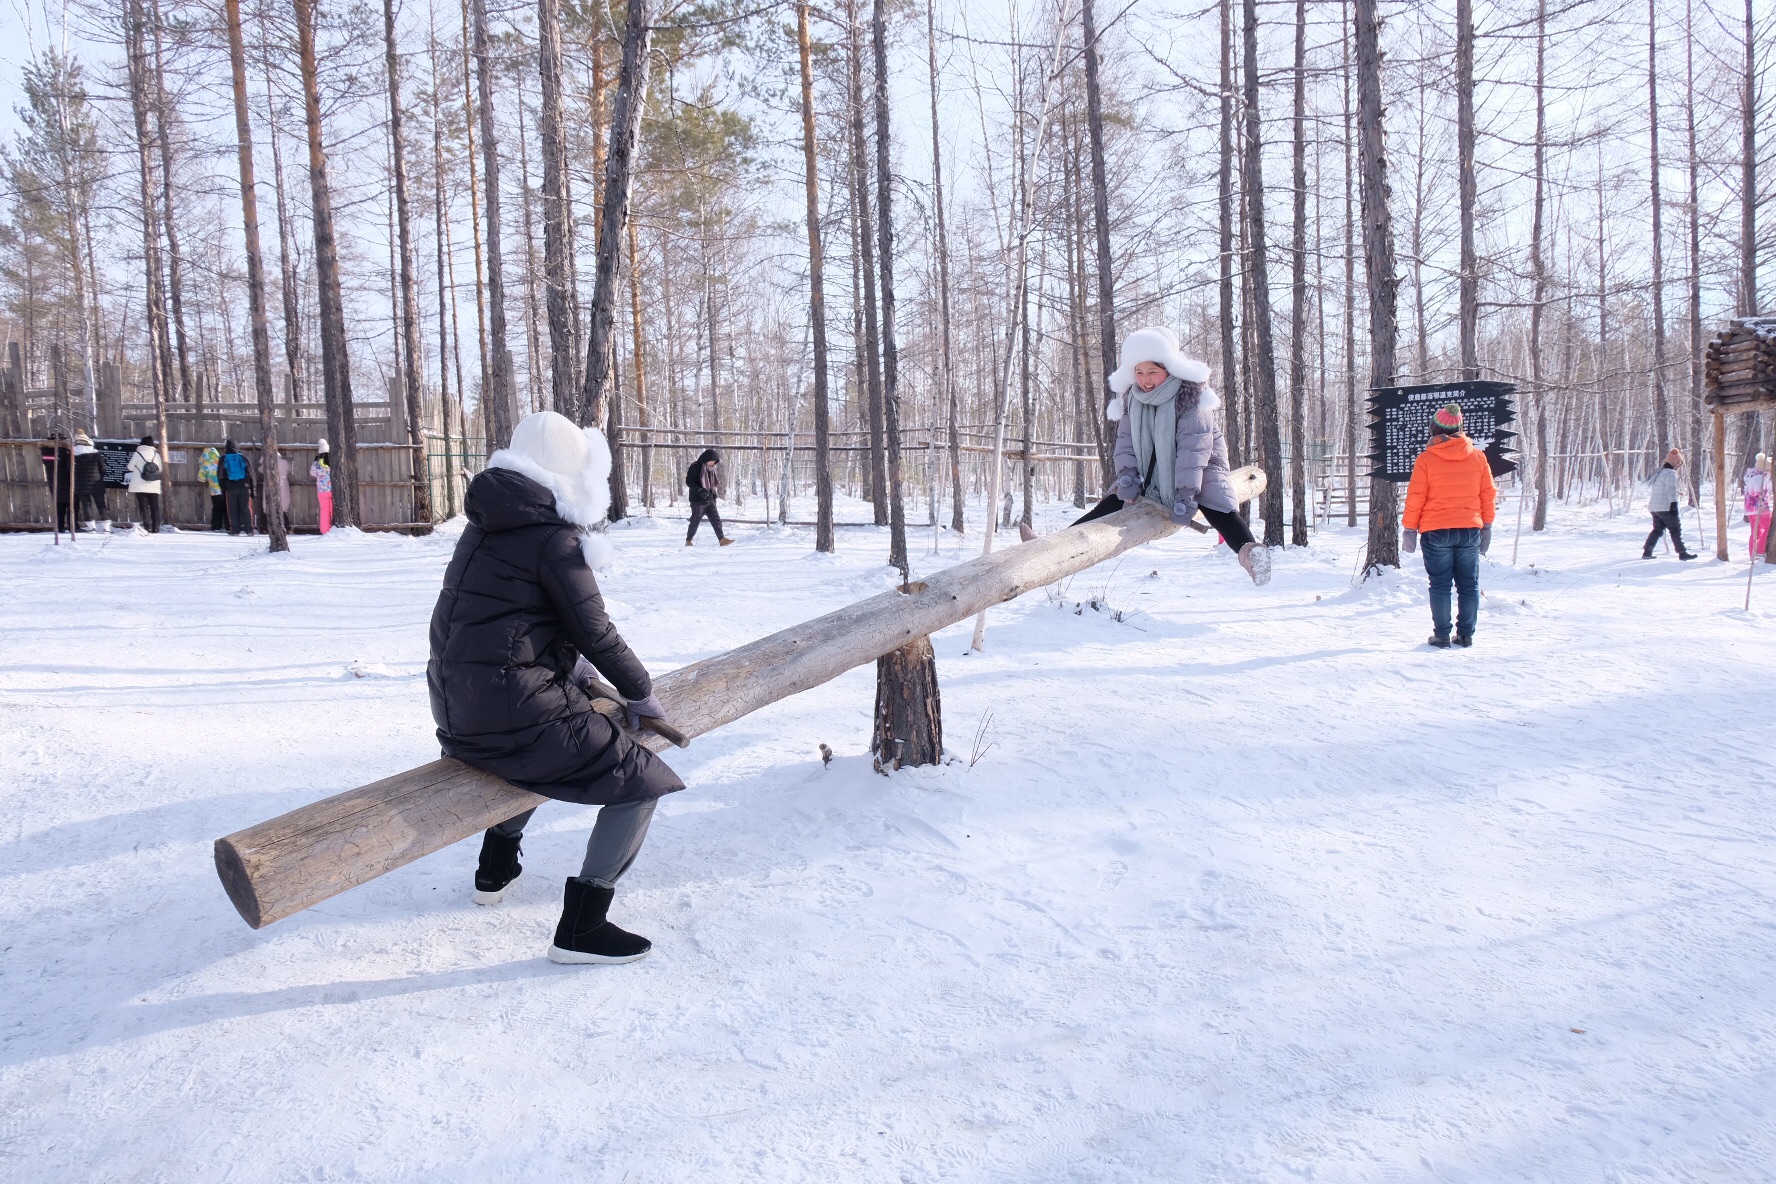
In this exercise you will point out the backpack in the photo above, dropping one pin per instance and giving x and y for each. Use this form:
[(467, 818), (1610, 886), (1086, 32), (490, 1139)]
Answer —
[(235, 465), (150, 470)]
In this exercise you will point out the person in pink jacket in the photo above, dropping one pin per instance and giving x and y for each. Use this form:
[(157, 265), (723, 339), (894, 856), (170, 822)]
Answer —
[(1758, 503), (322, 472)]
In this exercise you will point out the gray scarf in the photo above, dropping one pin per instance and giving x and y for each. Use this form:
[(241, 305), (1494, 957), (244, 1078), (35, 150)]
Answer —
[(1153, 421)]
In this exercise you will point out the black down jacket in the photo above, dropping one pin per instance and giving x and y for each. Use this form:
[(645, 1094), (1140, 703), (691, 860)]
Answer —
[(518, 606)]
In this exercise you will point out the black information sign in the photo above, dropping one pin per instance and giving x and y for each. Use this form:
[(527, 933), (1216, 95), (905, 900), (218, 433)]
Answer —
[(115, 456), (1400, 423)]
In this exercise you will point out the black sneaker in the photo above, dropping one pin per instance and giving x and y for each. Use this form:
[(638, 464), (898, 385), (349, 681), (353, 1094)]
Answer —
[(498, 868), (1464, 640), (1687, 555), (1440, 640), (584, 937)]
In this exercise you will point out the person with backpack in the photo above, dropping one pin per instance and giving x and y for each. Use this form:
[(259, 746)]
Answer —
[(1450, 503), (89, 486), (1662, 502), (321, 470), (518, 631), (236, 478), (703, 481), (1169, 449), (144, 471)]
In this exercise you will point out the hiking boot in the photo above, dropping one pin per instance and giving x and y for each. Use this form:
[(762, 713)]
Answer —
[(1256, 560), (1686, 555), (499, 866), (1464, 639), (1440, 640), (584, 937), (689, 543), (727, 542)]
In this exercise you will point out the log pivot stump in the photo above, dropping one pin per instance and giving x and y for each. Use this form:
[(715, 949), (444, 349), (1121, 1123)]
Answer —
[(909, 714)]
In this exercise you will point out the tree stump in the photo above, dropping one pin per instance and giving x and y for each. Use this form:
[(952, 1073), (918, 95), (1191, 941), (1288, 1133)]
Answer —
[(909, 714)]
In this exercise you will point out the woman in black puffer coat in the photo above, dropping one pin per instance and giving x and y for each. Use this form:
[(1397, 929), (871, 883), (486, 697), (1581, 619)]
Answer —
[(519, 613)]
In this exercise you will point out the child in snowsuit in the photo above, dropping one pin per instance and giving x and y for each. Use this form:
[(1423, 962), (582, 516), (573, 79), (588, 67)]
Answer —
[(237, 487), (519, 625), (1450, 504), (1169, 448), (322, 471), (206, 472), (1757, 504), (703, 480)]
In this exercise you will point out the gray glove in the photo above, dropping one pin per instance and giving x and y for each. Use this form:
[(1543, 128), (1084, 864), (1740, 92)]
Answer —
[(634, 710), (1127, 490), (1409, 542), (1485, 537), (1183, 510)]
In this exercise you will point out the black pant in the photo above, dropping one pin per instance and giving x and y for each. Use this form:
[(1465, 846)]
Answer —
[(1665, 520), (92, 505), (700, 511), (239, 517), (218, 512), (65, 517), (1231, 526), (148, 511)]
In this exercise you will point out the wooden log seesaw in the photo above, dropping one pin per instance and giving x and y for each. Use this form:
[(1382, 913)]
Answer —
[(285, 864)]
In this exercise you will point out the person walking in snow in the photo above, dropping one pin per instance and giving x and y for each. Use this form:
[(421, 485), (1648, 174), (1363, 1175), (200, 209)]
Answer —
[(236, 477), (1450, 503), (703, 480), (1662, 501), (519, 628), (1757, 504), (1169, 449), (89, 486), (206, 472), (144, 471), (321, 469)]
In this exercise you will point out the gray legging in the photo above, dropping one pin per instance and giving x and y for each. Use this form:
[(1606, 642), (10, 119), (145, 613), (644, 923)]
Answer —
[(615, 842)]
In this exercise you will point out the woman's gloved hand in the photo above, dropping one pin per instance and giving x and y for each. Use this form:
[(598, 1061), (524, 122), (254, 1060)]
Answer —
[(634, 710), (1183, 510), (1127, 490)]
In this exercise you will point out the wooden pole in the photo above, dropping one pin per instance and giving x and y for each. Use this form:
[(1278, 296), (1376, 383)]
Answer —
[(284, 865), (1720, 485)]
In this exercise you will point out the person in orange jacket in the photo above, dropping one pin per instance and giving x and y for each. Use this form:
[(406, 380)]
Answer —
[(1449, 507)]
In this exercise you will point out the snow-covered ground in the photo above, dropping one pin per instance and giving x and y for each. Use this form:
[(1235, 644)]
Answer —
[(1250, 885)]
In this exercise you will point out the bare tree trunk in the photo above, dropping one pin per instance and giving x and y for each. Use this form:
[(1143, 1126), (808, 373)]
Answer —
[(1229, 348), (860, 196), (1350, 286), (618, 177), (135, 32), (1748, 194), (897, 548), (1538, 267), (335, 361), (446, 288), (289, 284), (1464, 133), (1661, 413), (1270, 433), (475, 226), (947, 391), (1094, 120), (1298, 297), (1378, 262), (642, 411), (560, 299), (497, 394), (823, 525), (532, 343), (1695, 277), (410, 367), (243, 129), (175, 257)]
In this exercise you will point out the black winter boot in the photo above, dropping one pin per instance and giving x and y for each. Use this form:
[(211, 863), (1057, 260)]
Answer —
[(499, 866), (1463, 639), (584, 936), (1440, 640)]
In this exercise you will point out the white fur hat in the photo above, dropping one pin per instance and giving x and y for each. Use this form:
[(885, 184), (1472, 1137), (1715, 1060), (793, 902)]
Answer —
[(573, 463), (1158, 345)]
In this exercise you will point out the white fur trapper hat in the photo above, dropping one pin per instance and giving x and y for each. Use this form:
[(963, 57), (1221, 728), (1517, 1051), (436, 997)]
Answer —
[(1157, 345), (571, 462)]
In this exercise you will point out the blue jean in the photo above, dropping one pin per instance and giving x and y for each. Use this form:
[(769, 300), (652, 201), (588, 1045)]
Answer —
[(1453, 556)]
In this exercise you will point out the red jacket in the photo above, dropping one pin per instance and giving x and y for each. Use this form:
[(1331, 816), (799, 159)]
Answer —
[(1451, 487)]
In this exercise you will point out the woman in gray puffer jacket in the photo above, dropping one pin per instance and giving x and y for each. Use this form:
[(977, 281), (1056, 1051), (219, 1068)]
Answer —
[(1168, 446)]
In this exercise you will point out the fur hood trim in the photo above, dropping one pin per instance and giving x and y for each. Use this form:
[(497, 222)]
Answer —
[(583, 500)]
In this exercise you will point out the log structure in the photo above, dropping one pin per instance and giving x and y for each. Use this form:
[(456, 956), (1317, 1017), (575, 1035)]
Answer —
[(284, 865), (1739, 368)]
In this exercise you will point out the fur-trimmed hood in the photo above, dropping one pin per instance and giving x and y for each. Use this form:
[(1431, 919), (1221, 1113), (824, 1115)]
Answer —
[(1157, 345), (545, 443)]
